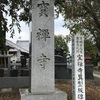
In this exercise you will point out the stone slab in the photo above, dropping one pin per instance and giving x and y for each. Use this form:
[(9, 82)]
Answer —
[(96, 79), (4, 90), (96, 75), (42, 47), (57, 95)]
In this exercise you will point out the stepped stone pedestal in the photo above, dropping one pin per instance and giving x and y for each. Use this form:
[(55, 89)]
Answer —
[(42, 82), (57, 95)]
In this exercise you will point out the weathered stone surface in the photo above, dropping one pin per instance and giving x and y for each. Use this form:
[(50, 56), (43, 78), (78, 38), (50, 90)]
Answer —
[(42, 48), (42, 54), (57, 95)]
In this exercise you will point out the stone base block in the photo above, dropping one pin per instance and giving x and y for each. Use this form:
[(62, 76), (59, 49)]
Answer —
[(97, 80), (57, 95)]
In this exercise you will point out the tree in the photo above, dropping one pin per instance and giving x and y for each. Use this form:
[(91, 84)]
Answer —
[(81, 16), (17, 10), (92, 49), (61, 42)]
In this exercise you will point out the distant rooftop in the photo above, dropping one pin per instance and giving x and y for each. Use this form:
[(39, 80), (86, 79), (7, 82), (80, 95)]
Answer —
[(22, 45)]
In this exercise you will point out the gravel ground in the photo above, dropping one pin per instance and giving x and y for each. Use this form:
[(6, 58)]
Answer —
[(10, 95), (92, 91)]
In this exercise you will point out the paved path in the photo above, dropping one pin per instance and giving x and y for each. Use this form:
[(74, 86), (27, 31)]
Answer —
[(96, 75)]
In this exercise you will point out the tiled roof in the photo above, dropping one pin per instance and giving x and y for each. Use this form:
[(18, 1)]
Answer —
[(23, 43), (19, 46)]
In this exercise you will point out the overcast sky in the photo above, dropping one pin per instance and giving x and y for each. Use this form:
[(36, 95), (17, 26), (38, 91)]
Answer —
[(24, 35)]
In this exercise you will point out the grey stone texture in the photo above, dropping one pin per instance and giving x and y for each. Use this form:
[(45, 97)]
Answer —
[(57, 95), (42, 84), (42, 48)]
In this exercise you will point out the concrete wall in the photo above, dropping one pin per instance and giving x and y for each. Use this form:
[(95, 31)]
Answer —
[(14, 82)]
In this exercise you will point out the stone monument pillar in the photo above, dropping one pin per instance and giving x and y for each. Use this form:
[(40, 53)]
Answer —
[(78, 71), (42, 84), (42, 50)]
